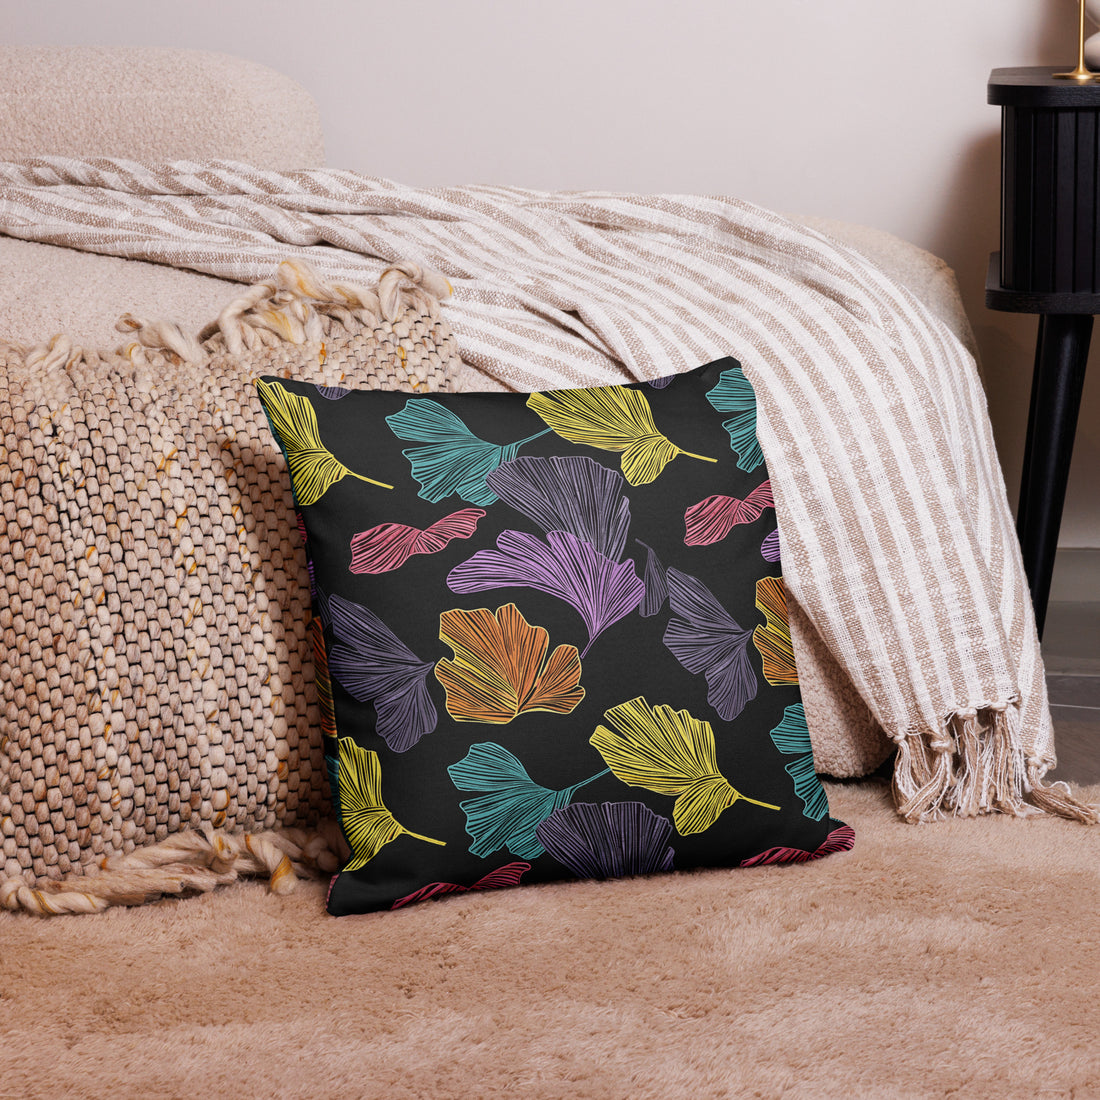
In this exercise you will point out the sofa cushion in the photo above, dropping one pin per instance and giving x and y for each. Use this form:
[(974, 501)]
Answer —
[(46, 290), (153, 104)]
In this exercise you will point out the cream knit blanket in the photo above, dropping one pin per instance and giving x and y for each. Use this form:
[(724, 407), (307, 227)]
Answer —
[(895, 532)]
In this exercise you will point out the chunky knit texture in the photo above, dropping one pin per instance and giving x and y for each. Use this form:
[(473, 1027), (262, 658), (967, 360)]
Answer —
[(155, 650)]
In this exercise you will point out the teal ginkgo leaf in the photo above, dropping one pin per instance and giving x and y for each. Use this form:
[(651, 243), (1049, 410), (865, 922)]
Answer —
[(449, 460), (734, 394), (509, 805), (332, 765), (792, 738)]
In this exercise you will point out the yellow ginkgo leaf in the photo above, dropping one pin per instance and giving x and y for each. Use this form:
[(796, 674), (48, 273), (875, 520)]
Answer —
[(368, 825), (313, 468), (668, 752), (612, 418), (500, 668), (773, 640)]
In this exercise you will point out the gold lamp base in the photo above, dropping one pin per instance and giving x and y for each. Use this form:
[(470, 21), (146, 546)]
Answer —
[(1081, 73)]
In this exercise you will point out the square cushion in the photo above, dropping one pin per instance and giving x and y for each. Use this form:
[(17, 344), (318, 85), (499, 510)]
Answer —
[(550, 634)]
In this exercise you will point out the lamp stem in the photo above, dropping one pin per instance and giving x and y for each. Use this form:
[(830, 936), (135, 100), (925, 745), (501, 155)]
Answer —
[(1081, 36)]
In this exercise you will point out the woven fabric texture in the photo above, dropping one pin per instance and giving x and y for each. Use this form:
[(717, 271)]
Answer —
[(155, 644)]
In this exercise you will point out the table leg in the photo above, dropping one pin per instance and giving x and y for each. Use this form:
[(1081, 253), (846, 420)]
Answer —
[(1060, 355)]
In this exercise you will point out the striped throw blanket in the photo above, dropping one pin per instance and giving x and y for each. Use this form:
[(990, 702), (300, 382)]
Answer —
[(896, 537)]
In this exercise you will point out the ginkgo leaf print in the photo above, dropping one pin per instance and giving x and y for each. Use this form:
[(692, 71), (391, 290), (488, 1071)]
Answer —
[(449, 459), (332, 764), (773, 640), (608, 840), (509, 875), (841, 839), (601, 590), (367, 824), (313, 468), (734, 394), (389, 545), (769, 548), (656, 587), (320, 604), (321, 679), (612, 418), (792, 738), (672, 753), (500, 668), (705, 639), (303, 535), (711, 520), (509, 804), (568, 493), (372, 664)]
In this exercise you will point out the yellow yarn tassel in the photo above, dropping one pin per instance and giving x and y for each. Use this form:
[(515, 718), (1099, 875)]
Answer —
[(188, 862)]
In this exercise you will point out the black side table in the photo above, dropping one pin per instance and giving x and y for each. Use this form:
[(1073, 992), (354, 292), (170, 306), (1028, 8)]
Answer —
[(1049, 264)]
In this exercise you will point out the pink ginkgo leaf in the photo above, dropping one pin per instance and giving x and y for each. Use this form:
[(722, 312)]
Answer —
[(389, 545), (508, 875), (839, 840), (711, 520)]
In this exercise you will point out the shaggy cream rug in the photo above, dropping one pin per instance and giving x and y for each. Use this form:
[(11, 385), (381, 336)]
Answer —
[(960, 959)]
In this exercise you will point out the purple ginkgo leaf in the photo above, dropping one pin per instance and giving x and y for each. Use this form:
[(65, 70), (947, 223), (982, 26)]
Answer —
[(656, 590), (602, 591), (570, 493), (705, 639), (769, 548), (372, 664), (608, 839)]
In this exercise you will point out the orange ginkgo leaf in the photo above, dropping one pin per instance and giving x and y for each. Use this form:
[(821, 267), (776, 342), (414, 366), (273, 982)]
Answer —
[(773, 640), (500, 667)]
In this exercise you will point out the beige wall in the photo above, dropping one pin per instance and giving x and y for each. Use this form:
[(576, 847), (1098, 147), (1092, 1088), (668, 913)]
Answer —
[(868, 110)]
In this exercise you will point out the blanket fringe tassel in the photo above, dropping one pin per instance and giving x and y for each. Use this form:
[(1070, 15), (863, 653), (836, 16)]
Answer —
[(189, 862), (296, 305), (973, 766)]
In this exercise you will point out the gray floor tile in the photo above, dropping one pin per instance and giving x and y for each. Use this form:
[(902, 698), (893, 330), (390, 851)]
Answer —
[(1074, 691), (1071, 639), (1077, 742)]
